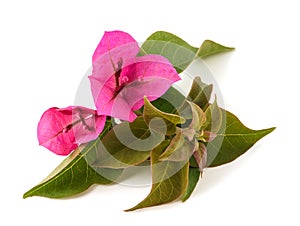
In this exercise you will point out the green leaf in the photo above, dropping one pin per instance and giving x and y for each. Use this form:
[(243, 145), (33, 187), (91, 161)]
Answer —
[(199, 117), (180, 149), (169, 180), (160, 121), (200, 155), (170, 101), (74, 175), (177, 51), (233, 140), (127, 144), (173, 102), (213, 117), (194, 175), (209, 48), (200, 93)]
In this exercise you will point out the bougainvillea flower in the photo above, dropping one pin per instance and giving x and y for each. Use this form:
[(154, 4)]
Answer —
[(120, 79), (61, 130)]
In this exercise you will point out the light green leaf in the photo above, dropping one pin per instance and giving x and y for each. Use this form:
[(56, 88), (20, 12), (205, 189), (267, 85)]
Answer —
[(180, 149), (199, 117), (175, 144), (160, 121), (209, 48), (213, 117), (194, 175), (127, 144), (169, 180), (232, 140), (200, 93), (177, 51), (74, 175)]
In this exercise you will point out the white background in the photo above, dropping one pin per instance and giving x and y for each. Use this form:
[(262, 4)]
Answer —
[(45, 49)]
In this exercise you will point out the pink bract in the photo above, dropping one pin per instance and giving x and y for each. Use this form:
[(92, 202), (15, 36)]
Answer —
[(61, 130), (120, 80)]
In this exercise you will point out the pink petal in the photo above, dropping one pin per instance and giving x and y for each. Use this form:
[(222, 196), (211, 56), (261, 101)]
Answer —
[(115, 48), (151, 87), (90, 126), (118, 108), (131, 97), (62, 130), (115, 39), (149, 66), (103, 92), (150, 75)]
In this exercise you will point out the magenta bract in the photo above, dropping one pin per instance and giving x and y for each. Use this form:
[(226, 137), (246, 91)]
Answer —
[(61, 130), (120, 79)]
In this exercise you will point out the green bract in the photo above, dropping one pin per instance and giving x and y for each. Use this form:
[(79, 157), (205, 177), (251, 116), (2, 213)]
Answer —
[(179, 135)]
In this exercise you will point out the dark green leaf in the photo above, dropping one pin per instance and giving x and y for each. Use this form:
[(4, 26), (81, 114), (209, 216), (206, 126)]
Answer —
[(127, 144), (194, 175), (179, 52), (73, 175), (170, 101), (200, 93), (233, 140), (193, 162), (169, 180)]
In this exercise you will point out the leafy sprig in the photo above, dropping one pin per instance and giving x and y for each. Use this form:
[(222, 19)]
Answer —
[(179, 139)]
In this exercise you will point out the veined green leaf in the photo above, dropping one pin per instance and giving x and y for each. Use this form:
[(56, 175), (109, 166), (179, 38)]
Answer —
[(169, 180), (160, 121), (180, 149), (213, 117), (74, 175), (170, 101), (200, 93), (127, 144), (209, 48), (232, 140), (194, 175), (199, 117), (179, 52)]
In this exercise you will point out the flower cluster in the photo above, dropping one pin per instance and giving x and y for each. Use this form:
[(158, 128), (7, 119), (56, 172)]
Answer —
[(120, 79)]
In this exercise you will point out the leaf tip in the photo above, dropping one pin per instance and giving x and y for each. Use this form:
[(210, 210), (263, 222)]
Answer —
[(224, 48), (229, 48), (26, 195), (131, 209), (183, 199), (272, 128), (269, 130), (146, 100)]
